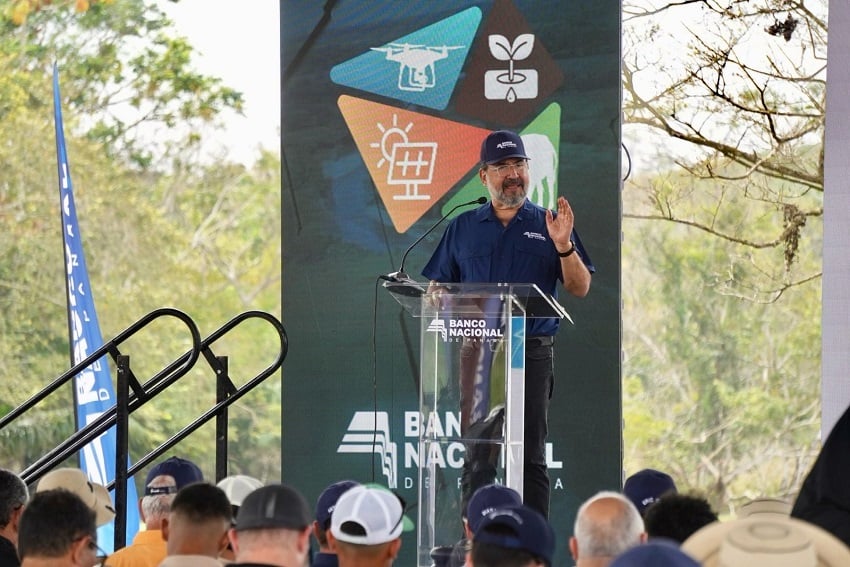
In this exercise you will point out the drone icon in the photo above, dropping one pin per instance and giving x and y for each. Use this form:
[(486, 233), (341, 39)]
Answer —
[(416, 63)]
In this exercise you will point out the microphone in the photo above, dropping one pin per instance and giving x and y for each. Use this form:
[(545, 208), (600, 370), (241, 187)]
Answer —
[(400, 276)]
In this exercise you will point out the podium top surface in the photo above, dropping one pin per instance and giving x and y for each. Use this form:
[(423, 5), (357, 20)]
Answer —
[(420, 299)]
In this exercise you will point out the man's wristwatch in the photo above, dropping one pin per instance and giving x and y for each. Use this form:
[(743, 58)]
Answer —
[(568, 252)]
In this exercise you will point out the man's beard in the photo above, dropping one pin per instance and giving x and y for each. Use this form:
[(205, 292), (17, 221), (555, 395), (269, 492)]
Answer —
[(511, 200)]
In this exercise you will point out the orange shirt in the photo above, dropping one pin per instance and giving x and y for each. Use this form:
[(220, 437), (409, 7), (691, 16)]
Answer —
[(147, 550)]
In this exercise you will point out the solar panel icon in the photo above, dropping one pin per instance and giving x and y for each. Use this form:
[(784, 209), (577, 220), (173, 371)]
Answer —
[(412, 165)]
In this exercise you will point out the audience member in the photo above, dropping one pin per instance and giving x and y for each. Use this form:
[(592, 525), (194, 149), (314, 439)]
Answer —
[(513, 536), (93, 494), (366, 527), (766, 542), (677, 516), (646, 486), (58, 529), (13, 498), (656, 553), (482, 502), (236, 487), (824, 497), (162, 483), (195, 531), (607, 524), (325, 504), (272, 528)]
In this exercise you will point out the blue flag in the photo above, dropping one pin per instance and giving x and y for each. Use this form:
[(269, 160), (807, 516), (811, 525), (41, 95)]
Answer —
[(93, 391)]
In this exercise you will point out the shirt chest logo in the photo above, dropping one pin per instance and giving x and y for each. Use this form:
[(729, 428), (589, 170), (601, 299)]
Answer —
[(534, 235)]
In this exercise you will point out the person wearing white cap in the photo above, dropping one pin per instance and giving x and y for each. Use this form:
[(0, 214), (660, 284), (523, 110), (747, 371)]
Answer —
[(366, 527), (236, 487)]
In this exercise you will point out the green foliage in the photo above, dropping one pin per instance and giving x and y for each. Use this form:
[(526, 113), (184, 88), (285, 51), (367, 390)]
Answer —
[(159, 228)]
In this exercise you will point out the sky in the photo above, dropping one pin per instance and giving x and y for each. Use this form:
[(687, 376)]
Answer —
[(240, 45)]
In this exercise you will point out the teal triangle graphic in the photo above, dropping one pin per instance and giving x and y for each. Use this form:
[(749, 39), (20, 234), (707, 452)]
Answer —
[(420, 68), (542, 138)]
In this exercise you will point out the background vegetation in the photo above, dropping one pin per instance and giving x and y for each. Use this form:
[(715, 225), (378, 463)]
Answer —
[(723, 223), (160, 227), (724, 114)]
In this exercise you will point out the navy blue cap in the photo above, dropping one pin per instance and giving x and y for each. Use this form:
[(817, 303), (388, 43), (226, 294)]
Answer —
[(655, 554), (518, 527), (183, 471), (646, 486), (488, 498), (502, 144), (327, 501)]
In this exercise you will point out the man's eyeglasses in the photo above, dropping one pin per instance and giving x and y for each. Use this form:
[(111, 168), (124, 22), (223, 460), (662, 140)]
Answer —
[(100, 554), (503, 170)]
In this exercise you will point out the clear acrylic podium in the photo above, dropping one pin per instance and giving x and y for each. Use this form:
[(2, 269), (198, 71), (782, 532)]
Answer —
[(471, 395)]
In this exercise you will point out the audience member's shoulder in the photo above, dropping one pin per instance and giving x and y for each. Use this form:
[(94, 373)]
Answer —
[(658, 553), (766, 541)]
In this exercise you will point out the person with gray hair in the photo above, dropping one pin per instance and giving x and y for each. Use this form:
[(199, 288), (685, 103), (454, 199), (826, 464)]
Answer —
[(607, 524), (13, 498), (161, 485)]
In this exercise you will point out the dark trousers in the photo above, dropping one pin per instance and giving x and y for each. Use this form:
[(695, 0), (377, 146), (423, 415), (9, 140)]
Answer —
[(479, 470)]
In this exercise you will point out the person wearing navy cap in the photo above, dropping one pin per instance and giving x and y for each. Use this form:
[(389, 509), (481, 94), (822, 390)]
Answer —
[(513, 240), (161, 485), (513, 535), (324, 508)]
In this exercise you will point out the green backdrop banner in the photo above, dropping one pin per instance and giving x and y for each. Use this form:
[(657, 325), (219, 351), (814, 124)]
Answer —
[(384, 105)]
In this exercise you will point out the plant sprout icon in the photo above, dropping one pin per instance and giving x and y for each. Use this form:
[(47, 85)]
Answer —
[(510, 85)]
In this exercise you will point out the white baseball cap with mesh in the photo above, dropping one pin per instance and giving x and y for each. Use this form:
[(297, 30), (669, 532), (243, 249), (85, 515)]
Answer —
[(367, 515)]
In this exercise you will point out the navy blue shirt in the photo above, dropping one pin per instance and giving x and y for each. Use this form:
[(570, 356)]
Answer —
[(477, 248)]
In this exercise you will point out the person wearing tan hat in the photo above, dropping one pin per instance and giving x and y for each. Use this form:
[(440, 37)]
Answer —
[(236, 487), (766, 540), (607, 524), (13, 499), (58, 529), (93, 494)]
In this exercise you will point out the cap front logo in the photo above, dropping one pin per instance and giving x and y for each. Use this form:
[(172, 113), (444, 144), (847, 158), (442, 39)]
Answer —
[(506, 144)]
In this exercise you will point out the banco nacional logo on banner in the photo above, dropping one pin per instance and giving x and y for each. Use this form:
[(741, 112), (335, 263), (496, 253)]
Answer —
[(369, 432)]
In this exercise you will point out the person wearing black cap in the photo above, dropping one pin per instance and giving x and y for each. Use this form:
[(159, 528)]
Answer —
[(272, 528), (513, 240)]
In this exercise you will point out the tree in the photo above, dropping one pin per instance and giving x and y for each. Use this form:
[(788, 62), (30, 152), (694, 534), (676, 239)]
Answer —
[(722, 242), (739, 90), (159, 228)]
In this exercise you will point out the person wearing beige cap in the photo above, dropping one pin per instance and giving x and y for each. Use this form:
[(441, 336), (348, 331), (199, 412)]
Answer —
[(93, 494), (766, 540)]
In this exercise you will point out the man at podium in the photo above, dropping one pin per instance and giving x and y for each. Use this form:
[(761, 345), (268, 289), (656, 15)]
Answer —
[(513, 240)]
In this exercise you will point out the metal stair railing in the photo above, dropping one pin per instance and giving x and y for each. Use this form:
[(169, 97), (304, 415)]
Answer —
[(131, 395)]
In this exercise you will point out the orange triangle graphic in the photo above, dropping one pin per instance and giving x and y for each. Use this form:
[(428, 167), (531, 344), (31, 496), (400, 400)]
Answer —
[(413, 159)]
